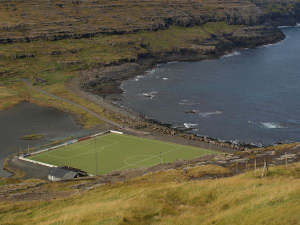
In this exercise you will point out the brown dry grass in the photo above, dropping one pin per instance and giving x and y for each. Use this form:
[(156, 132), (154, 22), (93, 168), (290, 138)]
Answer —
[(244, 199)]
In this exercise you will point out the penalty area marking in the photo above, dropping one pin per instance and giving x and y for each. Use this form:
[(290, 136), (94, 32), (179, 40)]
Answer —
[(136, 156), (100, 149)]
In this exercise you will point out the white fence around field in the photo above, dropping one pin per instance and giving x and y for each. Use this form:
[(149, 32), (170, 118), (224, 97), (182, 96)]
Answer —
[(61, 145), (36, 162), (115, 132), (96, 135)]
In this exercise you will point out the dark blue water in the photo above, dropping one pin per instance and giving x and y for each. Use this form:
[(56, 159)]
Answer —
[(25, 119), (252, 96)]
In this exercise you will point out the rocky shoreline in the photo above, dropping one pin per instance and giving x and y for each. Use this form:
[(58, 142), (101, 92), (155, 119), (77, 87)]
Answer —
[(101, 85)]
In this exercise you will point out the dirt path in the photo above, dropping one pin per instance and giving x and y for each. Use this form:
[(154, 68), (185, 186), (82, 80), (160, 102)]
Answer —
[(120, 126), (32, 170)]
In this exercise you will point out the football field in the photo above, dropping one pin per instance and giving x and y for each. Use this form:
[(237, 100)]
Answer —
[(111, 152)]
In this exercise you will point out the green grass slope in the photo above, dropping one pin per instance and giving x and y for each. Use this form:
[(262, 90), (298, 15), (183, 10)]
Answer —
[(158, 199)]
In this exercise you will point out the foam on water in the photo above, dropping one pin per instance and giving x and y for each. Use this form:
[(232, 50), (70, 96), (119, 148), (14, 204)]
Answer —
[(150, 71), (282, 27), (205, 114), (273, 125), (278, 43), (231, 54), (256, 91), (190, 125), (187, 102), (150, 94), (172, 62)]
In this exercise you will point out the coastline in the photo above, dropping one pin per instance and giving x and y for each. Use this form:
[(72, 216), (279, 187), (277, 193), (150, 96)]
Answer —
[(105, 89)]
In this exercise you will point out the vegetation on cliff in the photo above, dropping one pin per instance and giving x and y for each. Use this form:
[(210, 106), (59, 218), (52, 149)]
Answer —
[(50, 42), (56, 62), (32, 137)]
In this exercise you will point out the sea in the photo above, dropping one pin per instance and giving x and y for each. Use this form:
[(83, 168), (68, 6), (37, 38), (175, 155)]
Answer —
[(250, 96)]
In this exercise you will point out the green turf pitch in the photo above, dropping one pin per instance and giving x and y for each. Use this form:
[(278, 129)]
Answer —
[(118, 152)]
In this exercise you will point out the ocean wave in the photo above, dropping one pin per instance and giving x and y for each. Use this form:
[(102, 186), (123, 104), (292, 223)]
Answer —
[(278, 43), (187, 102), (282, 27), (235, 142), (190, 125), (274, 125), (205, 114), (231, 54), (165, 78), (149, 72), (150, 94), (172, 62), (137, 78)]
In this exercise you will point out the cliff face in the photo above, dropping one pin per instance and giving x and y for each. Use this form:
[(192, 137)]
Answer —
[(93, 38), (279, 12), (57, 19)]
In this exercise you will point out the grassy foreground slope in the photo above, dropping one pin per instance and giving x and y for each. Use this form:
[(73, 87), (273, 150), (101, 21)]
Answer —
[(157, 199)]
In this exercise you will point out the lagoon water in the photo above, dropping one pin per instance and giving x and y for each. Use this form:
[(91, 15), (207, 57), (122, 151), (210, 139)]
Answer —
[(250, 96), (25, 119)]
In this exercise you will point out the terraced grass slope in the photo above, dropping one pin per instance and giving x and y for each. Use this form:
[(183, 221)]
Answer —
[(157, 199), (118, 152)]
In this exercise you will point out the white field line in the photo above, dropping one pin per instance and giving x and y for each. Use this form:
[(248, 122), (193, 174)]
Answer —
[(75, 147), (84, 144), (90, 142), (129, 164), (150, 158), (173, 144), (117, 142), (55, 148), (89, 152)]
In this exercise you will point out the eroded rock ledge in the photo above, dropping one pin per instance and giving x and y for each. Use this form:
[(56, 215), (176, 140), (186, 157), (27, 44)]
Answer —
[(27, 21)]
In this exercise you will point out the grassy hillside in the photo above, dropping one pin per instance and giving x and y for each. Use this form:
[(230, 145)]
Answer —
[(58, 61), (61, 19), (55, 40), (158, 199)]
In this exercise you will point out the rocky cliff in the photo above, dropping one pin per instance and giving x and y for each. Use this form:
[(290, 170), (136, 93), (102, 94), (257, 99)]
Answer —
[(107, 41), (26, 20)]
